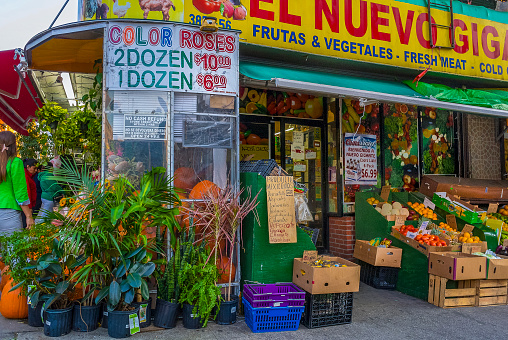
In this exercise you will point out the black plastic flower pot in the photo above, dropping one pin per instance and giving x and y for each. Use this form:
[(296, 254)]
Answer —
[(190, 320), (145, 312), (104, 312), (166, 314), (118, 323), (227, 311), (86, 318), (57, 322), (34, 315)]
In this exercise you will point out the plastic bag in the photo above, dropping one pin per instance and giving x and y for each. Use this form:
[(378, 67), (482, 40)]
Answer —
[(303, 213)]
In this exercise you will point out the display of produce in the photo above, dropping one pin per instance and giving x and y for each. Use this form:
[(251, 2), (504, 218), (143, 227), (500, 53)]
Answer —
[(431, 240), (423, 211), (276, 103), (468, 238), (400, 145), (372, 201), (387, 209), (437, 142)]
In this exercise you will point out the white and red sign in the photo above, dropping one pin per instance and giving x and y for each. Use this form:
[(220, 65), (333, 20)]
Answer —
[(360, 159), (172, 57)]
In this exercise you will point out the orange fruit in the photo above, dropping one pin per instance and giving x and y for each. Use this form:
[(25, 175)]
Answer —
[(251, 107)]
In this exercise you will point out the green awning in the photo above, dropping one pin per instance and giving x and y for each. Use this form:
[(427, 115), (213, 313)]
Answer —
[(302, 80), (495, 99), (268, 72)]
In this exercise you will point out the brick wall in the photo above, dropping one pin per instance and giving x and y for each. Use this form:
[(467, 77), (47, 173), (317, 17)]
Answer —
[(342, 236)]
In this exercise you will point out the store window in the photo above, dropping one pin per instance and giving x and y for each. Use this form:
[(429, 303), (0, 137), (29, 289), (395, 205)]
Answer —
[(357, 174), (277, 103), (135, 133), (400, 145), (438, 142), (204, 140)]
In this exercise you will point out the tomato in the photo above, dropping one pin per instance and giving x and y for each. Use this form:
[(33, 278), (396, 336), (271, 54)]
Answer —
[(443, 244), (433, 243), (295, 103), (418, 237), (421, 241), (207, 6)]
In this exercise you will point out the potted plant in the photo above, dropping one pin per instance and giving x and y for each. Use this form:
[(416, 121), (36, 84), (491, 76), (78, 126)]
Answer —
[(220, 216), (199, 293), (55, 287), (168, 285), (127, 279), (17, 248)]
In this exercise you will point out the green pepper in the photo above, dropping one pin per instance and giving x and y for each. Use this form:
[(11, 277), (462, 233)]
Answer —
[(247, 133)]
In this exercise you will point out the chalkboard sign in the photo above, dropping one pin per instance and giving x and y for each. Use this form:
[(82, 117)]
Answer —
[(151, 127), (207, 134)]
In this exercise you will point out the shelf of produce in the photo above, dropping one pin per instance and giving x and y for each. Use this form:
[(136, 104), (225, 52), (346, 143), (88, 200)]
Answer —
[(413, 275), (483, 232)]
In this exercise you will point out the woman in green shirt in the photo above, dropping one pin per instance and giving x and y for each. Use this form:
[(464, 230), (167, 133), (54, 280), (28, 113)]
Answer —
[(50, 191), (13, 191)]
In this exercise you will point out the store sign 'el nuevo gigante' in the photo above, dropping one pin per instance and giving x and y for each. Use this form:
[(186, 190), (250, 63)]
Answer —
[(383, 32), (281, 209), (360, 159), (171, 57)]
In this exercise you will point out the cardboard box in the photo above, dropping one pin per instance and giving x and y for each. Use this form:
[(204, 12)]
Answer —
[(464, 187), (497, 268), (327, 280), (457, 266), (376, 256), (422, 248), (470, 248)]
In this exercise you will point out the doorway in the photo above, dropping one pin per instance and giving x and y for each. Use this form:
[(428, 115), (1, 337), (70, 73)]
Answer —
[(298, 149)]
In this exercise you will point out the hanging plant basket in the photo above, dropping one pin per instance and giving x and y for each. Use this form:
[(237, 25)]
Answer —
[(53, 125)]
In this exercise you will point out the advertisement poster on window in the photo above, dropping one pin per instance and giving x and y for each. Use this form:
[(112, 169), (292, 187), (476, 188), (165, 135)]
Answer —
[(360, 161)]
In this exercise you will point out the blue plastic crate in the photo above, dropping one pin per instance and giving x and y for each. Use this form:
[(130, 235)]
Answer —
[(272, 319)]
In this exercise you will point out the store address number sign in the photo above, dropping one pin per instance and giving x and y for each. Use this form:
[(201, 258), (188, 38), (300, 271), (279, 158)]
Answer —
[(172, 57)]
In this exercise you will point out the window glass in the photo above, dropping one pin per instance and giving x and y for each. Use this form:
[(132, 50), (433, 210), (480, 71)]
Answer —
[(438, 144), (400, 145)]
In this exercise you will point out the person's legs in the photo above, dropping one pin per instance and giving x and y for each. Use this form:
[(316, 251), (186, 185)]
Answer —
[(10, 221), (46, 207)]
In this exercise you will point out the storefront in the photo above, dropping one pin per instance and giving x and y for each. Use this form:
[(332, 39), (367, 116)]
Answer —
[(315, 77)]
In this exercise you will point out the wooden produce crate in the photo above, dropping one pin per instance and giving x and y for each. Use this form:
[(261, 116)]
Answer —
[(463, 296), (492, 292)]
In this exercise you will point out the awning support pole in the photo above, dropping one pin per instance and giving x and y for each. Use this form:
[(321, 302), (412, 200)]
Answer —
[(56, 18), (26, 85)]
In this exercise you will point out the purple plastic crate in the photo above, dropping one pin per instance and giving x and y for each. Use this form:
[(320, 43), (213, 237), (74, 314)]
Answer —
[(274, 295)]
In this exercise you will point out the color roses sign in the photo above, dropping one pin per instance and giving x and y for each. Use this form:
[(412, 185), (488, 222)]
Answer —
[(171, 57), (385, 32), (360, 159)]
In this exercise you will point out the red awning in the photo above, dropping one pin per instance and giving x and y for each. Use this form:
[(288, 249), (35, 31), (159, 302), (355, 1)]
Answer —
[(18, 99)]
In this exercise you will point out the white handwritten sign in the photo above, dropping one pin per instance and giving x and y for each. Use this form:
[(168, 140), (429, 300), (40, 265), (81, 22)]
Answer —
[(281, 209)]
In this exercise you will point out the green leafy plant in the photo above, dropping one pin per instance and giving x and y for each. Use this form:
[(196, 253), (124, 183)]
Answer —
[(197, 279), (107, 223), (53, 283), (50, 114), (94, 97), (127, 279), (22, 245)]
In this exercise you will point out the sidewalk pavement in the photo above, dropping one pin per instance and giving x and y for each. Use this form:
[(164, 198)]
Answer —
[(377, 314)]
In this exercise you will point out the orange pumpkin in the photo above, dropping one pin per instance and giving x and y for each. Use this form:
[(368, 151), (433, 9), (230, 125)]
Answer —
[(13, 304), (202, 188), (2, 265), (185, 178), (4, 277), (223, 264)]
